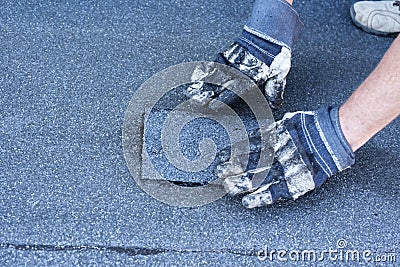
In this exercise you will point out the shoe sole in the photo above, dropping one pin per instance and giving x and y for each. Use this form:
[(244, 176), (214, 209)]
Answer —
[(366, 29)]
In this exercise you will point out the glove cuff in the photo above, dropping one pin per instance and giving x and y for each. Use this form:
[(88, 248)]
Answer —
[(327, 120), (275, 21)]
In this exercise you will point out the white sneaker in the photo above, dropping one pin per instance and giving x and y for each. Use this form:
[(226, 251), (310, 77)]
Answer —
[(377, 17)]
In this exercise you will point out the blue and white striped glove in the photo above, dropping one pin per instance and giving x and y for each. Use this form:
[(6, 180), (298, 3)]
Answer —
[(310, 147), (263, 52)]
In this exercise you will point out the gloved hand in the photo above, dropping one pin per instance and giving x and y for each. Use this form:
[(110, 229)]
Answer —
[(263, 52), (309, 148)]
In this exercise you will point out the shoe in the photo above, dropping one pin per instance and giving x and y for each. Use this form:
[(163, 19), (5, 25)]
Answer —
[(377, 17)]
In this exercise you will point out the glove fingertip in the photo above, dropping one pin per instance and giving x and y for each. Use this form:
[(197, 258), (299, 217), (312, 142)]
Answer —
[(235, 189), (247, 203), (274, 90), (257, 200)]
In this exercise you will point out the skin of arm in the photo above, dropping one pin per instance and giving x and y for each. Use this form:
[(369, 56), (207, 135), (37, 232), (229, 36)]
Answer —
[(375, 103)]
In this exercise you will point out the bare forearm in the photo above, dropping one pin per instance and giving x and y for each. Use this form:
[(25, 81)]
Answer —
[(375, 103)]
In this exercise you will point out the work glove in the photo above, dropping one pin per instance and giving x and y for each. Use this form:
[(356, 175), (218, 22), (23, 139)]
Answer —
[(262, 52), (309, 148)]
